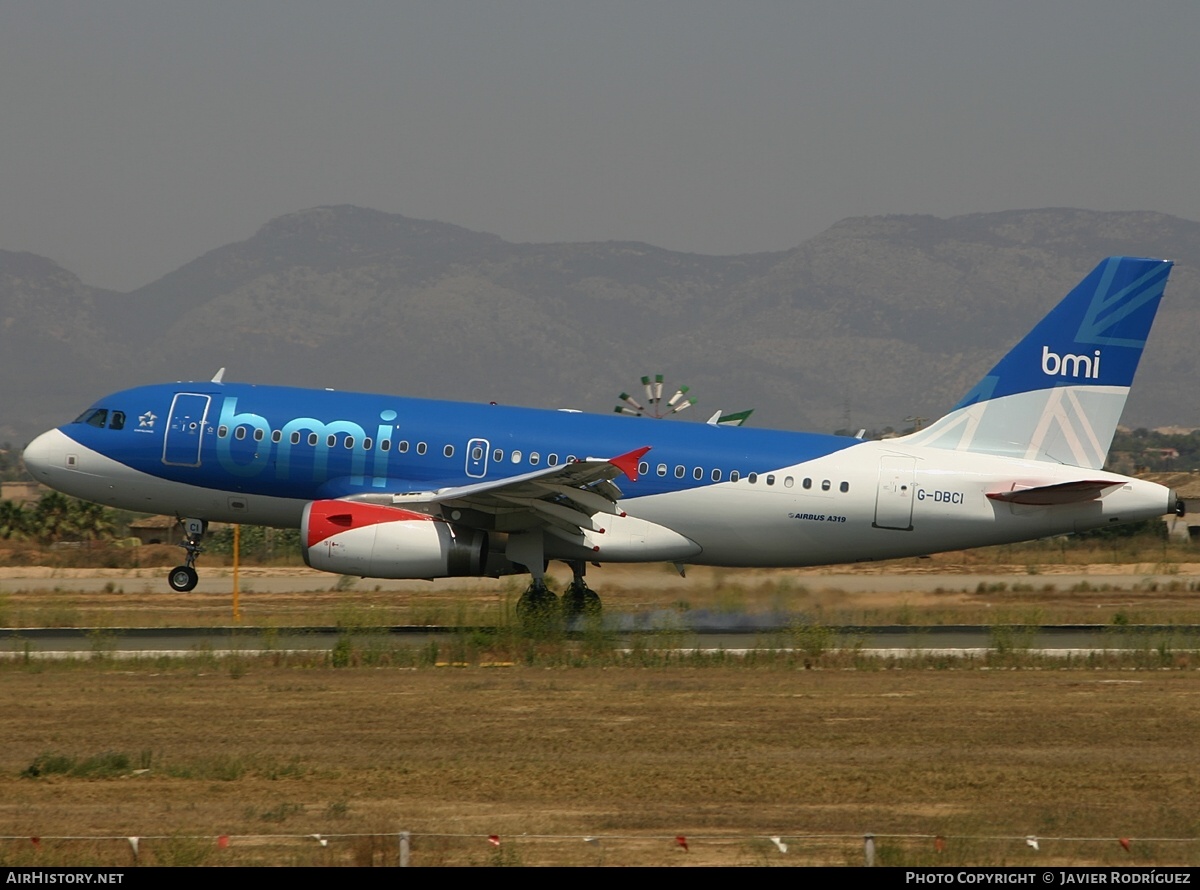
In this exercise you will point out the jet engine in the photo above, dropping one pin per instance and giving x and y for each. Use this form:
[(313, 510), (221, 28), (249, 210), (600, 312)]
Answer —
[(375, 541)]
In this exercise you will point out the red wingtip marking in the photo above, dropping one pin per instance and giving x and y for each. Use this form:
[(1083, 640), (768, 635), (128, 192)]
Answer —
[(628, 463)]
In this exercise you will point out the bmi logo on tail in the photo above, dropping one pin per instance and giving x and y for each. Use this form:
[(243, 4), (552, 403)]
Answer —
[(1069, 365)]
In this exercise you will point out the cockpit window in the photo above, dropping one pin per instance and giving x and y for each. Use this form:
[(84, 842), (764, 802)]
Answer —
[(96, 417), (101, 419)]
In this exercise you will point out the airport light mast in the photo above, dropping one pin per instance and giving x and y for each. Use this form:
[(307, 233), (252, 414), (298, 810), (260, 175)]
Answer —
[(658, 408)]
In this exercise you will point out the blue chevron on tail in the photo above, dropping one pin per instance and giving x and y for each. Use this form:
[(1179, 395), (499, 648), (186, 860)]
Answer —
[(1058, 394)]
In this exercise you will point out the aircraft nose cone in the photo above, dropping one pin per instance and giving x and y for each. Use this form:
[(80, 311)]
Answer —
[(45, 454)]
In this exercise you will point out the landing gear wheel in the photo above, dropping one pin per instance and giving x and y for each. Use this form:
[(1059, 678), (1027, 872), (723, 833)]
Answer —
[(537, 608), (183, 578), (579, 599)]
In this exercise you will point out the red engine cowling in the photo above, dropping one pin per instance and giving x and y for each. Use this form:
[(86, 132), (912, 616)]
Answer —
[(384, 542)]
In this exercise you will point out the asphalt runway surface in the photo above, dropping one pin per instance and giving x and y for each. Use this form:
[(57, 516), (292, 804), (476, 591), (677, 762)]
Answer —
[(879, 640), (692, 630), (220, 581)]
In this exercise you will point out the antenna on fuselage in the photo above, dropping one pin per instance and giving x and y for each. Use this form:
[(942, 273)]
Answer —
[(219, 377)]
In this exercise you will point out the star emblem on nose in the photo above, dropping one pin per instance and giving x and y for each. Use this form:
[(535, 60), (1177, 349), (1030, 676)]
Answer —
[(146, 421)]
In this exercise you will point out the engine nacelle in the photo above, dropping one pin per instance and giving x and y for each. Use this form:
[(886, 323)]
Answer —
[(385, 542)]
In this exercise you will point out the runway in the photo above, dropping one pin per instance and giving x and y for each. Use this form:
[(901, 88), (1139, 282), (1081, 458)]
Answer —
[(219, 581), (883, 641)]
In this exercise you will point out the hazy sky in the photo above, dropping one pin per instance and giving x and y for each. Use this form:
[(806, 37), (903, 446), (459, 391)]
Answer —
[(138, 135)]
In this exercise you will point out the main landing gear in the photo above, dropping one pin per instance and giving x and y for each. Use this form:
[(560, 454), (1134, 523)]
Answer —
[(538, 604), (184, 578), (578, 598)]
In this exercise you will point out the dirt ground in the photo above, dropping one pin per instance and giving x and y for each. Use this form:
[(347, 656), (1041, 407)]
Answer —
[(594, 763), (725, 757)]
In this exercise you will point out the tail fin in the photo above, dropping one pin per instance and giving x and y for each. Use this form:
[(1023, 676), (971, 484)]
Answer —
[(1058, 394)]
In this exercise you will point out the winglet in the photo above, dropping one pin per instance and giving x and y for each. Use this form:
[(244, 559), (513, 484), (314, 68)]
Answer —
[(628, 463)]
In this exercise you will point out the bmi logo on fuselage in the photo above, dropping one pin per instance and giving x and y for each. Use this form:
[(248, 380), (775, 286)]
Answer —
[(264, 446), (1086, 366)]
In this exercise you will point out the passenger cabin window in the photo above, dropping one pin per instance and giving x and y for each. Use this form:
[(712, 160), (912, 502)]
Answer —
[(239, 433), (552, 460), (422, 448), (698, 473), (661, 470), (844, 487), (515, 457), (222, 432), (534, 458), (771, 479), (752, 478), (330, 441), (402, 446), (807, 483), (498, 455), (716, 475), (448, 451), (276, 435), (734, 475), (312, 439), (679, 471), (825, 485), (643, 468), (295, 438), (788, 481)]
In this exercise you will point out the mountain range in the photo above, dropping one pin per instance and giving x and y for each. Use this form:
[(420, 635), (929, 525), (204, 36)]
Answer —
[(874, 321)]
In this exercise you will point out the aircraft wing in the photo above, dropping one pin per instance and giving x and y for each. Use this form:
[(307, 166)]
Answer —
[(563, 497)]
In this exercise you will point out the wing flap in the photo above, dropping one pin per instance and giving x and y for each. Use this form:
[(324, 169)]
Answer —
[(562, 498)]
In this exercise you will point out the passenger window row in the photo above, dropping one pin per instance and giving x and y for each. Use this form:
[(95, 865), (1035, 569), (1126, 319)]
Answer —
[(515, 456), (716, 475)]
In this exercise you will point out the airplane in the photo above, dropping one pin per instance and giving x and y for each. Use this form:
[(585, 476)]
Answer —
[(388, 487)]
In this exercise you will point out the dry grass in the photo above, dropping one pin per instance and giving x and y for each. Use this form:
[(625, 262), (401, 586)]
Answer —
[(266, 747), (636, 750)]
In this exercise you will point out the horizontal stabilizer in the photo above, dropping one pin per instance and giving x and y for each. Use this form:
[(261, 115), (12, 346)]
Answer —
[(1063, 493)]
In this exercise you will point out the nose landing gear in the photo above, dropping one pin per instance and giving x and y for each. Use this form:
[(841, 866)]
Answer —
[(184, 578)]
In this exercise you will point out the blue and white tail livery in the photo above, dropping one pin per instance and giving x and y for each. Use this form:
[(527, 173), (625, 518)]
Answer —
[(393, 487), (1058, 395)]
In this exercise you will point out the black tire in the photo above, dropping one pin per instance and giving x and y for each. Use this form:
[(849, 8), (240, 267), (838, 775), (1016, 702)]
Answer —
[(580, 600), (538, 612), (183, 578), (536, 600)]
